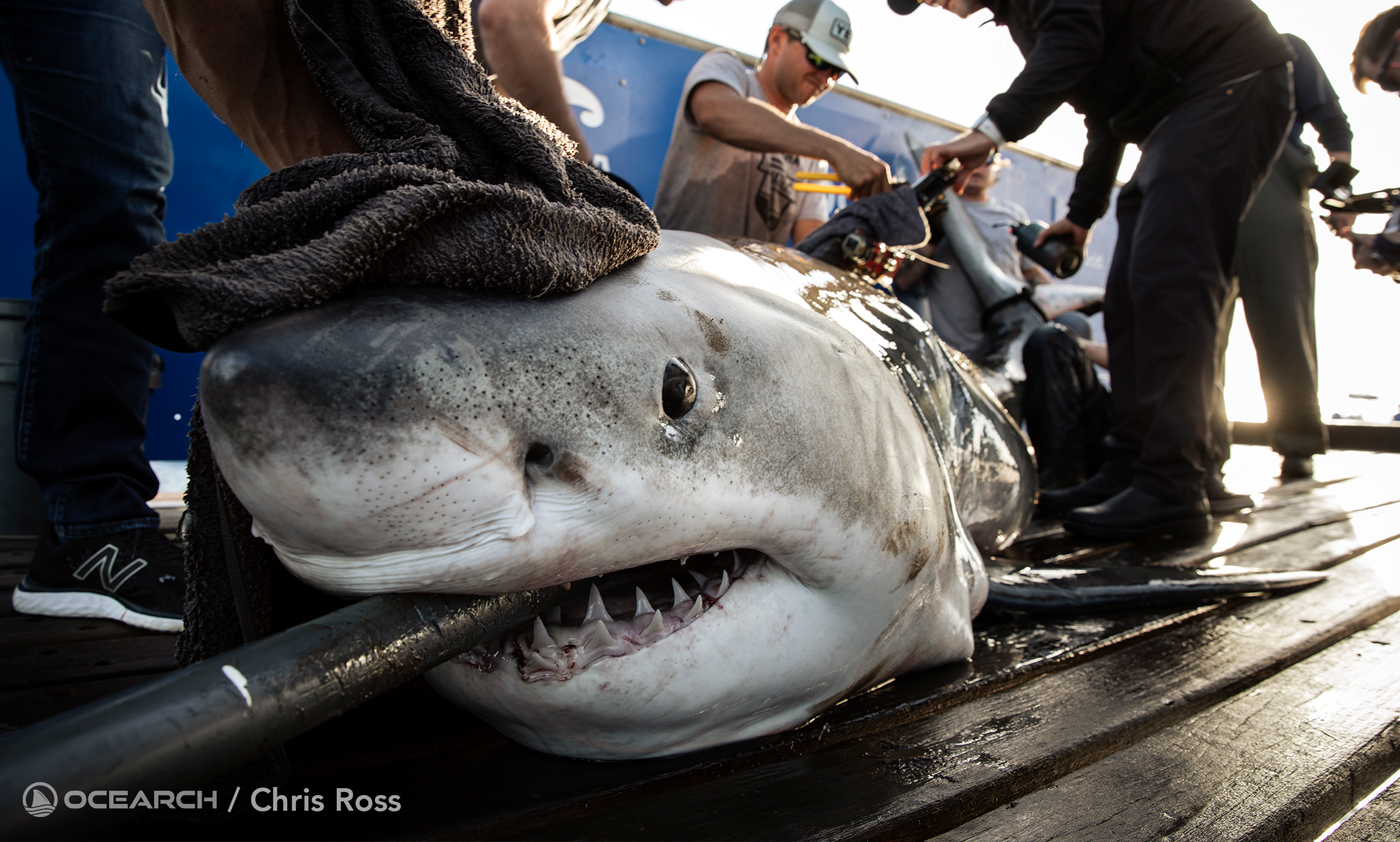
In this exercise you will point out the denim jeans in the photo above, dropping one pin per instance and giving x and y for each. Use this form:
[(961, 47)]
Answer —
[(90, 88)]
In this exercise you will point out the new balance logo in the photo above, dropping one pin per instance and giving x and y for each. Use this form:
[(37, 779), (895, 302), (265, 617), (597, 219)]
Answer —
[(104, 561)]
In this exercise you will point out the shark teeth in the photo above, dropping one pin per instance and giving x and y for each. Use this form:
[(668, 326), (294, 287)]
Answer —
[(612, 622), (596, 609), (542, 639)]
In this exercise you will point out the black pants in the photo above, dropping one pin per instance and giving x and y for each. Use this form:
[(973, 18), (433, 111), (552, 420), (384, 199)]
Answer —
[(1067, 409), (1178, 222), (1275, 265)]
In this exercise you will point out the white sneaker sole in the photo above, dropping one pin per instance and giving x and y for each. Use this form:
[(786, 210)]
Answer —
[(79, 604)]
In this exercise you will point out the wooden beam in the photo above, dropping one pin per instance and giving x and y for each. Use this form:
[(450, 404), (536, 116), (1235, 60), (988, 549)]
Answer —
[(1341, 435), (1284, 761)]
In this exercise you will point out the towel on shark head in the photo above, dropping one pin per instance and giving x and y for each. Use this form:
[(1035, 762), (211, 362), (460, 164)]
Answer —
[(456, 187), (454, 182)]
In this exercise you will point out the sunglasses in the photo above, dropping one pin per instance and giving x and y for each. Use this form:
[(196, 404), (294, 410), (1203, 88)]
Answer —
[(1388, 62), (820, 64)]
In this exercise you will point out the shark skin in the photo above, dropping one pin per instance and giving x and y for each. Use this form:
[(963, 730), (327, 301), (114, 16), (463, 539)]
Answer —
[(767, 483)]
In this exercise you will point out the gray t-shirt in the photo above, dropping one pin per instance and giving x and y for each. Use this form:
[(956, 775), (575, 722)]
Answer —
[(711, 187), (954, 310)]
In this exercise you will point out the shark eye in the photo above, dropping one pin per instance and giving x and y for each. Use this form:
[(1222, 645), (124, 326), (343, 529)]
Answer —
[(677, 389)]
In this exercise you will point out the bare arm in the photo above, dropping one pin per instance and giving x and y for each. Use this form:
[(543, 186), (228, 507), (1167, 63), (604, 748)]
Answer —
[(1097, 352), (751, 124), (517, 38), (240, 57), (802, 227)]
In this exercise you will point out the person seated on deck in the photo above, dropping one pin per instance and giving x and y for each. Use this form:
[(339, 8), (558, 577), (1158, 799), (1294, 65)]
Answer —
[(1377, 59), (522, 41), (737, 145), (1067, 409)]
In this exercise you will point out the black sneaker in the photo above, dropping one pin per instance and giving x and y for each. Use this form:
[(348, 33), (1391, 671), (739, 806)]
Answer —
[(137, 577)]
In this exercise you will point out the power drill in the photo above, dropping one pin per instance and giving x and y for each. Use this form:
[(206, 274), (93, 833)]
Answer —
[(1058, 254)]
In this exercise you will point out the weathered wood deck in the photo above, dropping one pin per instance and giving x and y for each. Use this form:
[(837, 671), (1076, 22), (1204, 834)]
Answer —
[(1256, 718)]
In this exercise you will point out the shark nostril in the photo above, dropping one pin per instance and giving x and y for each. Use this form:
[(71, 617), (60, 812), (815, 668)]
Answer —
[(539, 455)]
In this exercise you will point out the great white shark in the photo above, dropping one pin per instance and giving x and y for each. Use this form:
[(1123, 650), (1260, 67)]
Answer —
[(766, 482)]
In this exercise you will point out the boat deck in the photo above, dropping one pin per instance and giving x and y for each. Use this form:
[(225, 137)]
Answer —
[(1252, 718)]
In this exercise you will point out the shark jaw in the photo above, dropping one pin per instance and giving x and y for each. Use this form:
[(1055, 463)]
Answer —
[(766, 654), (615, 615)]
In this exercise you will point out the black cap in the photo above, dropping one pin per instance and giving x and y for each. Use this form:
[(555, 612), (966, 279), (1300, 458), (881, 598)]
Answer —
[(904, 7)]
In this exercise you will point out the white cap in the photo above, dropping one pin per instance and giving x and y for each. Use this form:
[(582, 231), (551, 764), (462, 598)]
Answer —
[(824, 26)]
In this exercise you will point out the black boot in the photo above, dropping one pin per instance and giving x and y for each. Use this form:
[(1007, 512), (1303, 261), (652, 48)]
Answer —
[(1222, 500), (1092, 491), (1134, 515)]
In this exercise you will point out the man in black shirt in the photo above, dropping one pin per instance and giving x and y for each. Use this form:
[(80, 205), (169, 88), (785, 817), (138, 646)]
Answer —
[(1204, 88)]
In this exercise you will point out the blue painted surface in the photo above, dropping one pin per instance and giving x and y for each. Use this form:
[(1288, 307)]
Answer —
[(628, 87)]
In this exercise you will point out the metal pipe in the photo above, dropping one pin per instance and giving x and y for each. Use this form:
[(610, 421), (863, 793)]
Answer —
[(197, 723)]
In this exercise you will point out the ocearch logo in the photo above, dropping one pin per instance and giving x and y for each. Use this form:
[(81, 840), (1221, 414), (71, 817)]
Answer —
[(40, 799)]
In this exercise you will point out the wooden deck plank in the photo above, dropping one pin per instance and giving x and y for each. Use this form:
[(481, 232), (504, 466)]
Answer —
[(24, 631), (1323, 546), (84, 660), (16, 553), (26, 706), (1298, 513), (1284, 761), (1282, 508), (1378, 821), (934, 774)]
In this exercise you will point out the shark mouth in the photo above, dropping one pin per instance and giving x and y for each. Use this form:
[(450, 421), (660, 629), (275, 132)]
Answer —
[(616, 614)]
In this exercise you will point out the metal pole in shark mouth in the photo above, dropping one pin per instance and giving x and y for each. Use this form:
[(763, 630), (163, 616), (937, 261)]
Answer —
[(1009, 316), (212, 717)]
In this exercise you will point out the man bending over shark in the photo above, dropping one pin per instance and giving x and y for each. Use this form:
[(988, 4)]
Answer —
[(737, 144)]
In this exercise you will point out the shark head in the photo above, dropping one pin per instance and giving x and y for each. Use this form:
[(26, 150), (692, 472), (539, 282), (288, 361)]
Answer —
[(712, 447)]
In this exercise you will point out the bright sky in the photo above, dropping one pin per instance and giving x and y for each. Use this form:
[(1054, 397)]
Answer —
[(934, 62)]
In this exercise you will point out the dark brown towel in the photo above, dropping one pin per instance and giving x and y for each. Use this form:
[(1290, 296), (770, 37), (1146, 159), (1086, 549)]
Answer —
[(456, 187)]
